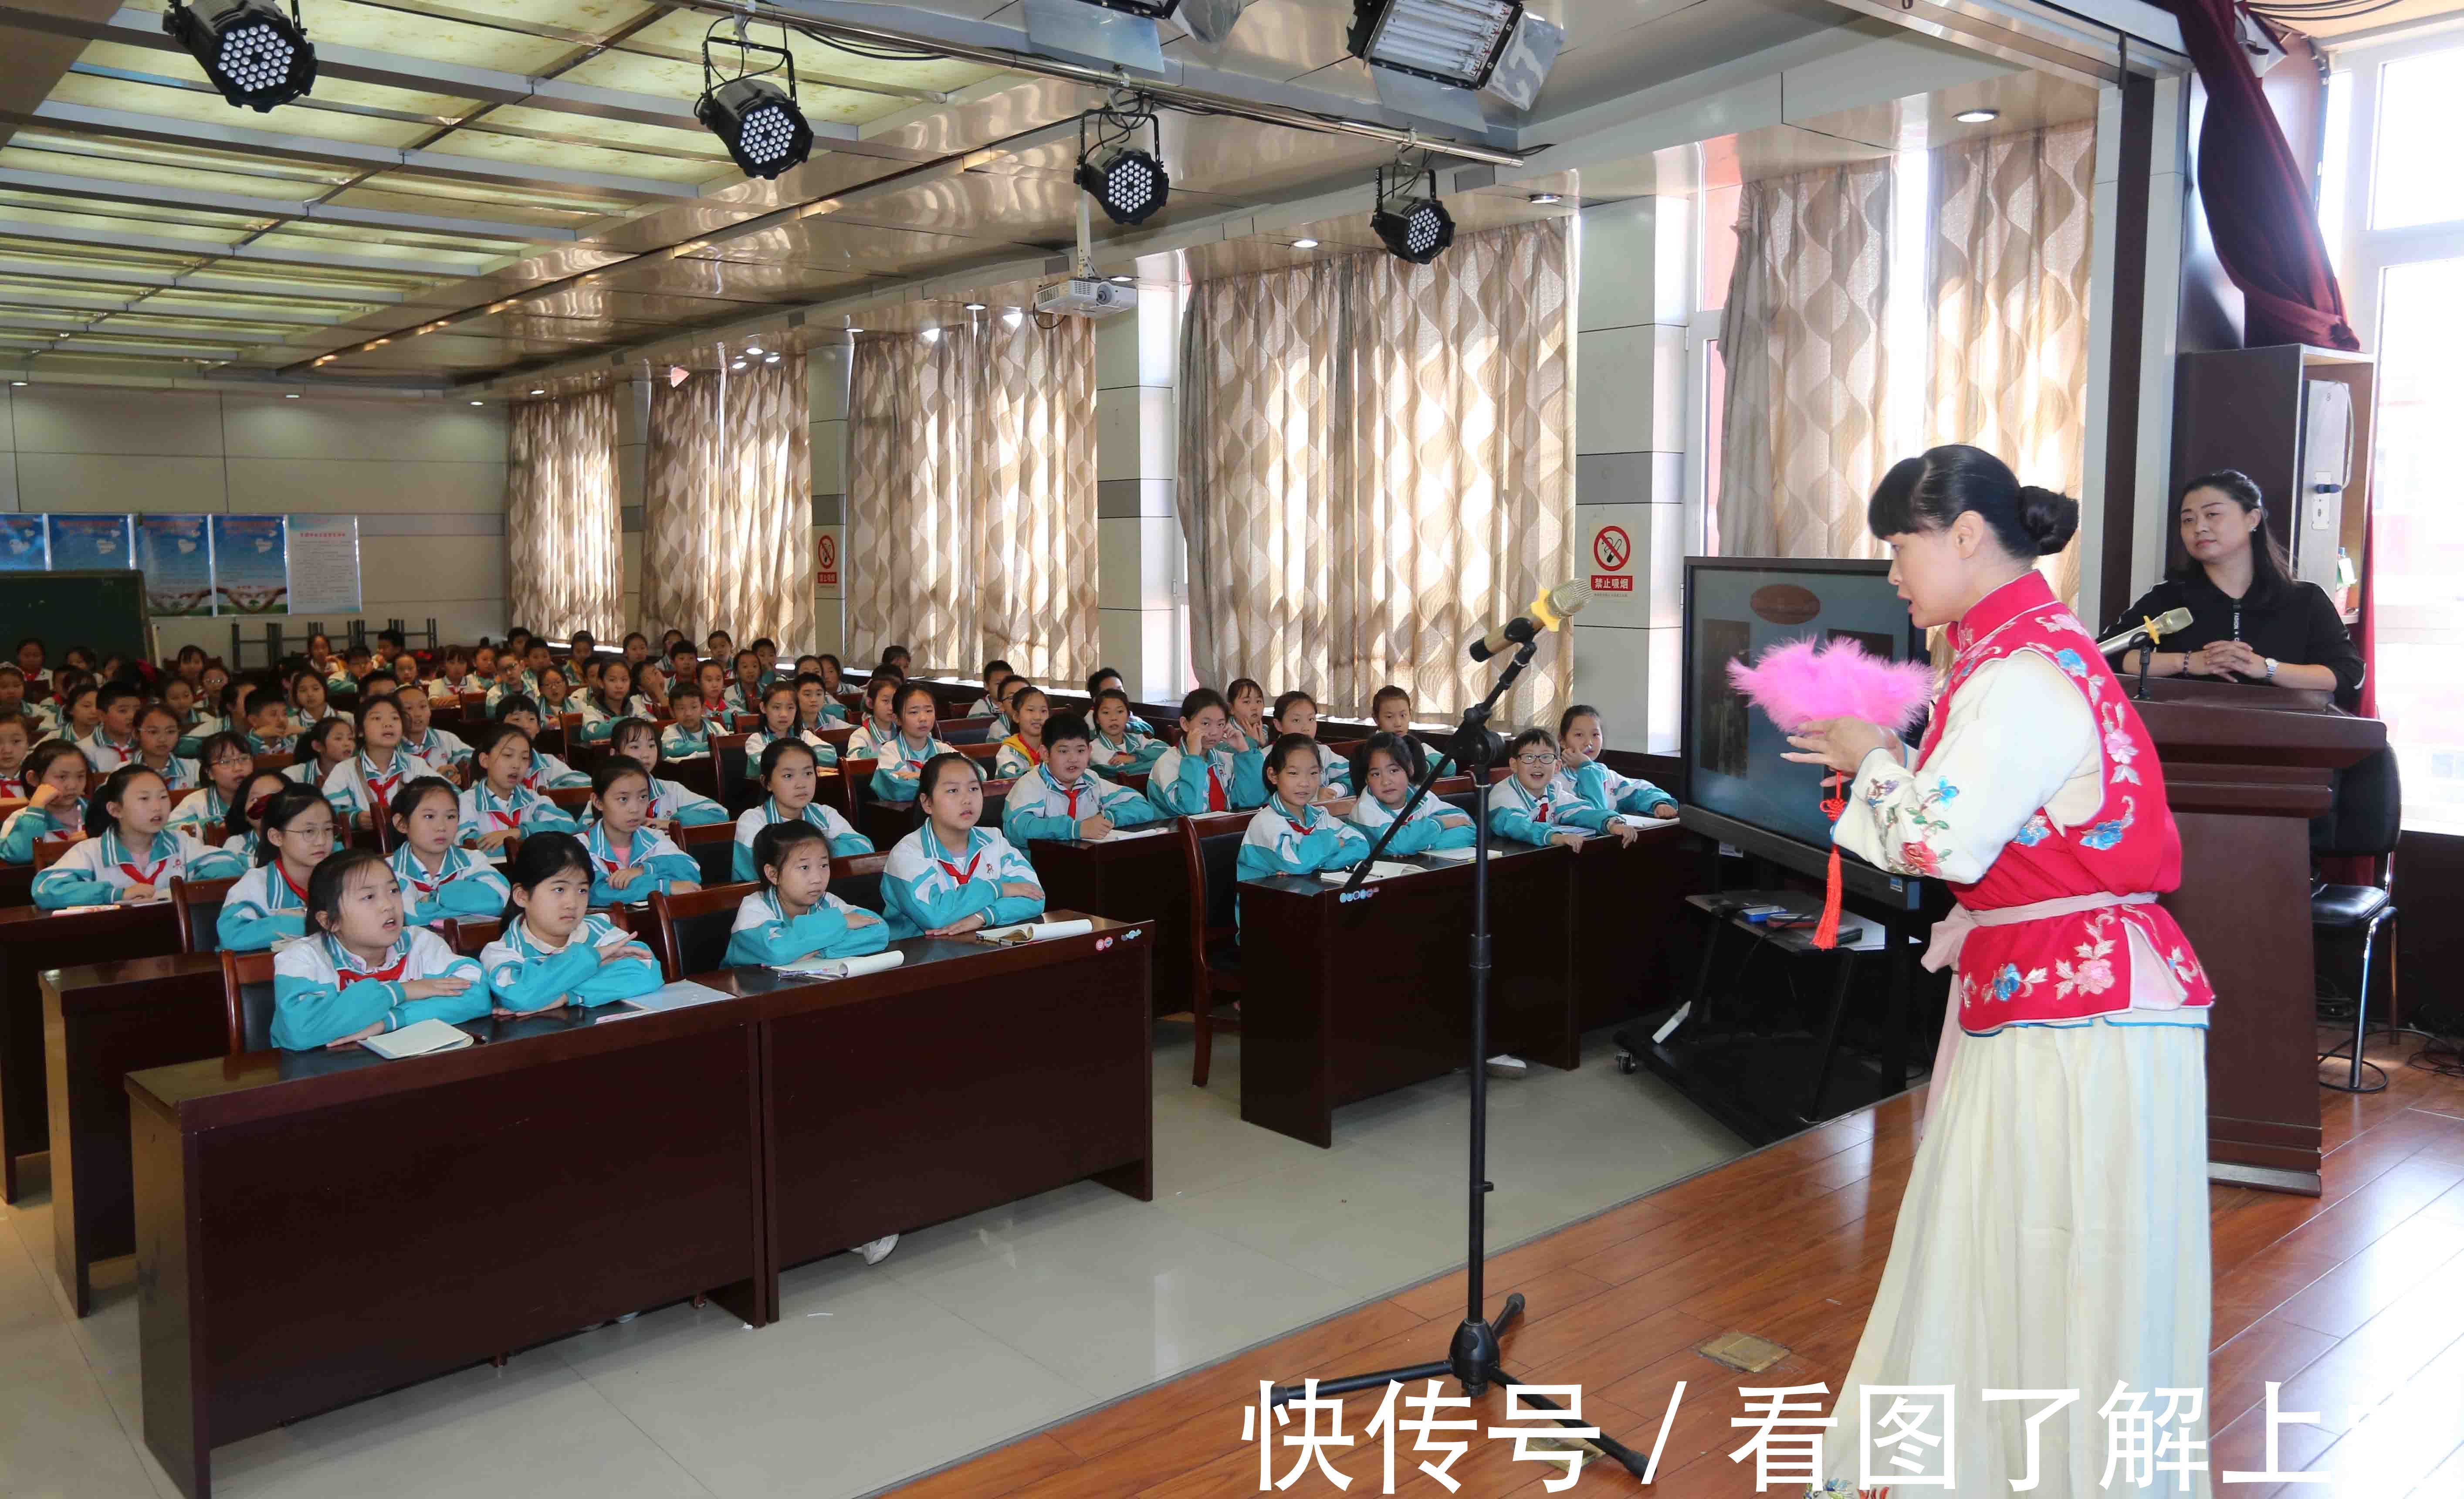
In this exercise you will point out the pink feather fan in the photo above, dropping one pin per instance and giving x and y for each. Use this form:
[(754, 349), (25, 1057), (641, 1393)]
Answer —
[(1798, 681)]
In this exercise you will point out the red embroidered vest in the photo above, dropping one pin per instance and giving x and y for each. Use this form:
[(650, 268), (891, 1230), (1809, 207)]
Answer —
[(2068, 967)]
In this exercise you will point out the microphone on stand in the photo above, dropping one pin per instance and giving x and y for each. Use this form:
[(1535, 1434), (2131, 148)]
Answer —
[(2170, 622), (1548, 611)]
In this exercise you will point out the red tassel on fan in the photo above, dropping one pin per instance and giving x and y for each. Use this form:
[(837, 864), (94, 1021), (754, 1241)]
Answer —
[(1826, 933)]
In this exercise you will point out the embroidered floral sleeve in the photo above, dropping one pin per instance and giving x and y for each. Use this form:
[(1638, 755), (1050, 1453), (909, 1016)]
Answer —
[(2016, 733)]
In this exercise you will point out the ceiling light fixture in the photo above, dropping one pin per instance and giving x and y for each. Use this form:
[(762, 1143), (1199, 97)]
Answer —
[(735, 365), (287, 395), (1127, 184), (1417, 229), (539, 392), (478, 403), (251, 52), (1303, 244), (753, 348), (769, 359), (758, 121), (1453, 41), (1125, 280), (1546, 198), (976, 307), (1977, 116)]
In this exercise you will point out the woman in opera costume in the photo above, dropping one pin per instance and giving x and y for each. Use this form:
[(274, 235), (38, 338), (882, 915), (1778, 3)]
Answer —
[(2054, 1234)]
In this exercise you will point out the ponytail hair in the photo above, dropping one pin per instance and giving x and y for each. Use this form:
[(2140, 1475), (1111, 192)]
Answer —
[(99, 814), (2271, 567), (1930, 492)]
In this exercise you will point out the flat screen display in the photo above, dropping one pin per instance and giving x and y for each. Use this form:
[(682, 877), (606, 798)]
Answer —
[(1740, 608)]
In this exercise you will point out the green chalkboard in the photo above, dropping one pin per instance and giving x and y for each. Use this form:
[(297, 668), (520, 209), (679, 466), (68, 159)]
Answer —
[(105, 610)]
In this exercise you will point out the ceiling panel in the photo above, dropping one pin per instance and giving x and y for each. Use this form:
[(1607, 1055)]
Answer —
[(521, 152), (729, 281), (828, 244), (632, 66)]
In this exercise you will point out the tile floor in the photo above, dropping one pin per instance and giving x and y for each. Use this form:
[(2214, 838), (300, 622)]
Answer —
[(973, 1332)]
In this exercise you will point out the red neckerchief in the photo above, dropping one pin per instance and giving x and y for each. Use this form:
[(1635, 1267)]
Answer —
[(380, 787), (346, 977), (964, 876), (146, 875), (428, 886), (1034, 756), (12, 784), (613, 862), (1215, 798), (1301, 829), (1071, 792), (287, 880)]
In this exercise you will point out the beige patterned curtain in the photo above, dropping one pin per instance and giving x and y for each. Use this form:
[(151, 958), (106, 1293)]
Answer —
[(727, 506), (971, 497), (1804, 438), (564, 561), (2011, 250), (1376, 462)]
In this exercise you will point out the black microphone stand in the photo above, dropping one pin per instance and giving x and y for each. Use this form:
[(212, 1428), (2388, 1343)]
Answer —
[(1476, 1358)]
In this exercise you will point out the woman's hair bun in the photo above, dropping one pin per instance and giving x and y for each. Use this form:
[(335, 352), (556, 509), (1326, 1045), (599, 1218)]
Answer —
[(2048, 518)]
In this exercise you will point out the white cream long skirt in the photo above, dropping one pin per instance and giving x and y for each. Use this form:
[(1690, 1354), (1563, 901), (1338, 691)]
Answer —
[(2054, 1237)]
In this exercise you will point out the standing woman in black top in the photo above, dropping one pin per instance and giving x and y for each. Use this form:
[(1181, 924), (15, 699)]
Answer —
[(2251, 620)]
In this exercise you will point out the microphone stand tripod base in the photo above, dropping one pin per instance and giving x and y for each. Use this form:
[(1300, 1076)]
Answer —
[(1475, 1360)]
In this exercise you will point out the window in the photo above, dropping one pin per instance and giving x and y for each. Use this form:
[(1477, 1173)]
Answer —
[(2392, 205)]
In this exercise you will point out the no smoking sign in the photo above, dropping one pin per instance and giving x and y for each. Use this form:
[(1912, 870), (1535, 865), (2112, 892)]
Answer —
[(1611, 550)]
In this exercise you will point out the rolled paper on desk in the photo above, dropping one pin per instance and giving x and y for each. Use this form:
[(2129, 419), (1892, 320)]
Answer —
[(1034, 932), (417, 1039), (1122, 834), (845, 967)]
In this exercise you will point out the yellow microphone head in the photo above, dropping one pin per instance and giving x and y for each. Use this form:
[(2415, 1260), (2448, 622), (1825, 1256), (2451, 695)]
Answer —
[(1553, 606)]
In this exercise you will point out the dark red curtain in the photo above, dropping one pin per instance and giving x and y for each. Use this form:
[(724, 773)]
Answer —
[(2257, 197)]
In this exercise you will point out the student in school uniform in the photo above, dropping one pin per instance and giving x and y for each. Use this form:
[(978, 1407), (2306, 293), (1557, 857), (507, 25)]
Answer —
[(16, 703), (718, 645), (16, 741), (1059, 800), (901, 761), (1391, 709), (744, 692), (547, 772), (898, 659), (309, 705), (790, 775), (880, 724), (80, 714), (652, 690), (452, 677), (1205, 772), (55, 773), (684, 664), (128, 855), (556, 696), (158, 740), (1105, 680), (1245, 702), (816, 709), (346, 678), (612, 700), (223, 766), (778, 725), (793, 917), (1291, 834), (501, 806), (362, 787), (1119, 746), (997, 675), (270, 903), (440, 880), (635, 648), (952, 875), (1023, 750), (1385, 778), (688, 738), (1580, 739), (1296, 713), (554, 952), (365, 969), (833, 675), (766, 652), (326, 747), (30, 658), (190, 722), (320, 651), (484, 659), (113, 741), (711, 677), (629, 859), (242, 832), (269, 724), (1527, 806), (421, 736), (671, 805)]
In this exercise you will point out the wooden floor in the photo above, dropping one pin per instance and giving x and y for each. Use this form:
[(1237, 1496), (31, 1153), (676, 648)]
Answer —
[(2350, 1299)]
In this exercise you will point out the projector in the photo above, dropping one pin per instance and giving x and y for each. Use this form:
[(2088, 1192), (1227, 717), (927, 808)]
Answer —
[(1086, 298)]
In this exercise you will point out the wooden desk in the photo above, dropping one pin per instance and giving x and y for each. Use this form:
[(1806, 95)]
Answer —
[(313, 1228), (1629, 906), (101, 1022), (1137, 879), (1346, 998), (32, 940)]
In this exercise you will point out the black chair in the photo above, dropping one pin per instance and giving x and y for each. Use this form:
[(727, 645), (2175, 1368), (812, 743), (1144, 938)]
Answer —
[(1210, 849), (196, 906), (713, 847), (737, 789), (2365, 822), (247, 1002), (690, 931), (856, 879)]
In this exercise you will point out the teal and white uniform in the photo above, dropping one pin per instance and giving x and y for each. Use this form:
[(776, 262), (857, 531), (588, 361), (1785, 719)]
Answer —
[(179, 774), (925, 885), (202, 812), (677, 742), (1179, 782), (1597, 786), (1427, 829), (662, 864), (768, 937), (263, 909), (463, 886), (844, 840), (1040, 806), (96, 870), (1515, 813), (100, 753), (194, 733), (597, 722), (761, 739), (437, 747), (899, 754), (683, 806), (547, 773), (27, 824), (1140, 752), (1280, 842), (279, 744), (359, 784), (867, 740), (526, 973), (322, 992), (525, 812)]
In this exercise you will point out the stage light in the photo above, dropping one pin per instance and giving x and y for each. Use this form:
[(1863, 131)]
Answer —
[(1129, 184), (758, 120), (1453, 41), (253, 54), (1977, 116), (1417, 229)]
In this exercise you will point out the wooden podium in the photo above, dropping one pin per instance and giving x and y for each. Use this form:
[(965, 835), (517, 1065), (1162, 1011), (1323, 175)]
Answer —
[(2246, 768)]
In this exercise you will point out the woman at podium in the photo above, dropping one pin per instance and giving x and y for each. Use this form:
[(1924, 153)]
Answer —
[(2251, 619), (2054, 1234)]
